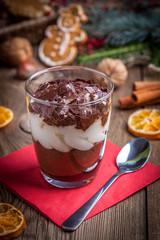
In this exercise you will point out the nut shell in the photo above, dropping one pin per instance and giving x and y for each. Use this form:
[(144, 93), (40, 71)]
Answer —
[(15, 50), (115, 69)]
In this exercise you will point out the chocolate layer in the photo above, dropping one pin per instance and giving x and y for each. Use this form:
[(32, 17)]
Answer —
[(75, 165), (68, 97)]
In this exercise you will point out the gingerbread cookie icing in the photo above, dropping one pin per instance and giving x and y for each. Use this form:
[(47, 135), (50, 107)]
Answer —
[(60, 45)]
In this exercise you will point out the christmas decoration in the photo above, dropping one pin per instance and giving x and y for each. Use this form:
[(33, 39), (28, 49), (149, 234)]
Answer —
[(26, 69), (121, 27), (131, 54), (129, 32), (60, 45)]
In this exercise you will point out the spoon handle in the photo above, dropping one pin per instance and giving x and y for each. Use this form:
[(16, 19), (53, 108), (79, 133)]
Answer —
[(77, 218)]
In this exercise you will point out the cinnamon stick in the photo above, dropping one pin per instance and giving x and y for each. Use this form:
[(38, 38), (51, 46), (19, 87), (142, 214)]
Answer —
[(127, 102), (146, 95), (143, 85), (130, 102)]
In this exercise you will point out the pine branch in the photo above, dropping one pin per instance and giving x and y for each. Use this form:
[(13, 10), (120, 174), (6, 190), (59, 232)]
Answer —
[(155, 55), (118, 52), (122, 27)]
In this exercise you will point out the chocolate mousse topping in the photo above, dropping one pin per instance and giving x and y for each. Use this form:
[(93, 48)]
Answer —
[(68, 96)]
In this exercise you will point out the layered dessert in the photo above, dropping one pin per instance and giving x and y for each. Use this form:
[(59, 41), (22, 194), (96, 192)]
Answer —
[(69, 123)]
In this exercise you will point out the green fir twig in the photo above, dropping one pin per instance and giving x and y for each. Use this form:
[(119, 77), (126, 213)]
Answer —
[(120, 27), (118, 52)]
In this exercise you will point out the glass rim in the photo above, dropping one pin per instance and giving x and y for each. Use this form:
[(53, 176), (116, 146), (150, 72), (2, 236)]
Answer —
[(68, 67)]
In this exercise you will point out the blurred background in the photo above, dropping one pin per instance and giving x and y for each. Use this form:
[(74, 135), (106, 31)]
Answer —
[(128, 30)]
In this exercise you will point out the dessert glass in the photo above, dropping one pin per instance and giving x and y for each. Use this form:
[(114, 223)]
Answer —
[(69, 154)]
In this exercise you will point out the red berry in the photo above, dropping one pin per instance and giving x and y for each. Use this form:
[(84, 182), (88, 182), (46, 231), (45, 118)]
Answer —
[(26, 69)]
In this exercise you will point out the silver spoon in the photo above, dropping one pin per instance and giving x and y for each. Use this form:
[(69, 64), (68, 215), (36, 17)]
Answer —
[(132, 157)]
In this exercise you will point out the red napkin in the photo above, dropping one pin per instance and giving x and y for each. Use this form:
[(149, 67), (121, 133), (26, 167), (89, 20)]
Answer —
[(20, 173)]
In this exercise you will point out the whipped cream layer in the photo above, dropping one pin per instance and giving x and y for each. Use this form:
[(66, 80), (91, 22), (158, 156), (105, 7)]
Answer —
[(71, 117), (66, 138)]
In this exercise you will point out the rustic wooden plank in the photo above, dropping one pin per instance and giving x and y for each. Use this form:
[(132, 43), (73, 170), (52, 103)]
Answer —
[(119, 135), (126, 220), (13, 96), (122, 221), (118, 132), (153, 190), (155, 155), (153, 210)]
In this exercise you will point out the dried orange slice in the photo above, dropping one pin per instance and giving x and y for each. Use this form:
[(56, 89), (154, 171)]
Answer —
[(12, 222), (6, 116), (145, 123)]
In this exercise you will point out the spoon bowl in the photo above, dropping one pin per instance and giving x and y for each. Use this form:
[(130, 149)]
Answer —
[(132, 157)]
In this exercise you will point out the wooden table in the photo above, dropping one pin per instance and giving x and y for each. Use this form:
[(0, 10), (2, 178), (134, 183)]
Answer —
[(137, 217)]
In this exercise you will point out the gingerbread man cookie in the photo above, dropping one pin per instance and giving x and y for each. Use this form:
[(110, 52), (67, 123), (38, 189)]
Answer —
[(60, 45)]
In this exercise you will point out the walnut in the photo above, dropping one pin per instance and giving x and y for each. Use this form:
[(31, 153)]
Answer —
[(115, 69), (15, 50)]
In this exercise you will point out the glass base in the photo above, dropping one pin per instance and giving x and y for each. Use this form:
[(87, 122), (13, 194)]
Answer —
[(61, 184)]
